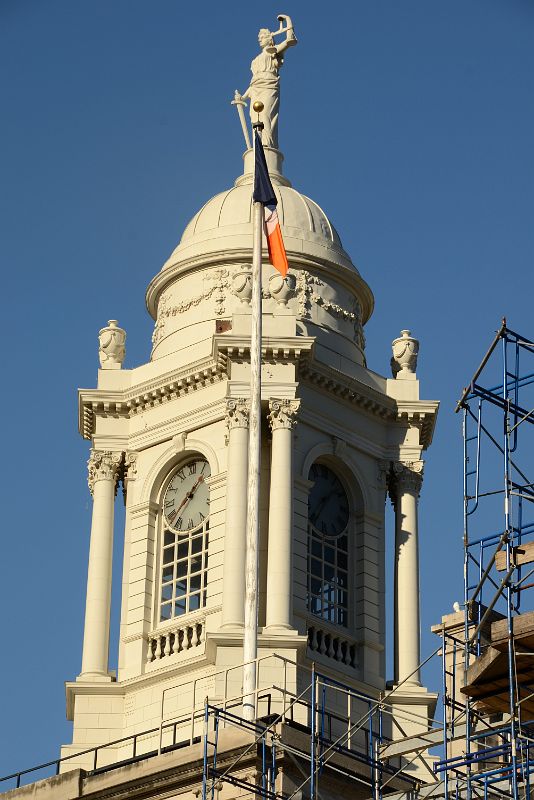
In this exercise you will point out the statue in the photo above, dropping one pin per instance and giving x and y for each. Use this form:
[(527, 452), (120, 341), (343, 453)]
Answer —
[(265, 83)]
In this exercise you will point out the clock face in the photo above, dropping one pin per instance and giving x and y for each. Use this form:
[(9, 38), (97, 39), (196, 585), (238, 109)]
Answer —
[(186, 501), (328, 504)]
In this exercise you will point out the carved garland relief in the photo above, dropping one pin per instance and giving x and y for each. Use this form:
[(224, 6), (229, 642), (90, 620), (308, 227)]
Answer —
[(306, 288), (220, 284)]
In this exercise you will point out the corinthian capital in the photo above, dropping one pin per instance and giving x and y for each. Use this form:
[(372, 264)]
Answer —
[(407, 476), (103, 465), (283, 413), (237, 413)]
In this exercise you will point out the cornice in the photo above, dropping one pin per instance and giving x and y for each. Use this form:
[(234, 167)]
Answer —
[(420, 413), (348, 389), (148, 394), (169, 386), (273, 348)]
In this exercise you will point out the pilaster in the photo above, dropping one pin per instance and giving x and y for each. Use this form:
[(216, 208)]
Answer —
[(237, 420)]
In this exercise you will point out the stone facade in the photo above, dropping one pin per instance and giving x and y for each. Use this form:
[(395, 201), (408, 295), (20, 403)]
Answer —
[(321, 405)]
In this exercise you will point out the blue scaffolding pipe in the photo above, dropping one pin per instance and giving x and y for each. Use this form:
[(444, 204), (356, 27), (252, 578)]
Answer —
[(480, 569)]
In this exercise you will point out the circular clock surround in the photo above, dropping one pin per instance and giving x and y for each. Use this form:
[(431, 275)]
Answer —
[(186, 498), (328, 504)]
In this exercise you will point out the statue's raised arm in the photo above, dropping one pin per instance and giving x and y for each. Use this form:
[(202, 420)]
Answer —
[(265, 83)]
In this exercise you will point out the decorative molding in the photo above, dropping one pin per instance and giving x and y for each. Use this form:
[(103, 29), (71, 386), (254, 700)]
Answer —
[(104, 465), (127, 403), (406, 476), (168, 459), (383, 473), (179, 442), (414, 413), (129, 471), (220, 283), (307, 296), (339, 446), (273, 348), (348, 389), (283, 414), (343, 273), (130, 466), (305, 283), (237, 413)]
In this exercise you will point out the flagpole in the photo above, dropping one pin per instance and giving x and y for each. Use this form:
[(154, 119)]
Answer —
[(250, 638)]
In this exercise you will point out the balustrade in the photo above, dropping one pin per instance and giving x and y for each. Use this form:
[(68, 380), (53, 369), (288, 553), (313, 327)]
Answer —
[(182, 638), (332, 646)]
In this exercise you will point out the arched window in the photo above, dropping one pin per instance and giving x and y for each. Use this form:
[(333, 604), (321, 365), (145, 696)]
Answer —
[(185, 525), (328, 522)]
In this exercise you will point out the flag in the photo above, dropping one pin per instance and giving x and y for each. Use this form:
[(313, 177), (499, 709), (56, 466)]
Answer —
[(264, 194)]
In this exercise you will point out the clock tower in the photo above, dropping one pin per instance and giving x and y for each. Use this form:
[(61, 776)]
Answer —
[(337, 437)]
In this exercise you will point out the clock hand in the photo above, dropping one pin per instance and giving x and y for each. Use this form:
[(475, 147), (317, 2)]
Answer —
[(321, 506), (190, 494)]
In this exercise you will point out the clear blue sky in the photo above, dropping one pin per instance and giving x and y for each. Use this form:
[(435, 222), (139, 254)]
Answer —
[(411, 123)]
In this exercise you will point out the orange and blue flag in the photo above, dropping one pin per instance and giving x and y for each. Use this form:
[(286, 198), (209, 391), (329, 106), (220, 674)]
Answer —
[(264, 194)]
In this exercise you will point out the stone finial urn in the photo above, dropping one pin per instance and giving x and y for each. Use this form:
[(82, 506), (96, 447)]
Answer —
[(111, 349), (242, 285), (282, 289), (404, 360)]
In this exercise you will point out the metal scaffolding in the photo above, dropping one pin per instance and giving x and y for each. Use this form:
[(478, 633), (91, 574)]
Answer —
[(488, 667), (346, 744)]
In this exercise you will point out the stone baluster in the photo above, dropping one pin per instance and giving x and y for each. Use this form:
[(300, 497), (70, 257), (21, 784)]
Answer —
[(104, 473), (233, 606), (282, 419), (167, 650), (405, 486)]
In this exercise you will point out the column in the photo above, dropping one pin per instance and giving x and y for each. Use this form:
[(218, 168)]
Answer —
[(233, 605), (405, 486), (282, 419), (104, 471)]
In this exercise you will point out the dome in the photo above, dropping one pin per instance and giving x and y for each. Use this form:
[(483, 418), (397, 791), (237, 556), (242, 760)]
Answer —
[(225, 221), (300, 218), (221, 234)]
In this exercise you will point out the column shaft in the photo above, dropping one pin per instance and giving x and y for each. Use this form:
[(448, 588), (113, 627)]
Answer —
[(233, 606), (279, 559), (103, 476), (407, 613)]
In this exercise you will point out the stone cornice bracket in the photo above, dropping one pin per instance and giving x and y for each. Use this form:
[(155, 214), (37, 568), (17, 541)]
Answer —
[(338, 446), (104, 465), (406, 476), (129, 471), (237, 413), (283, 413), (383, 474)]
